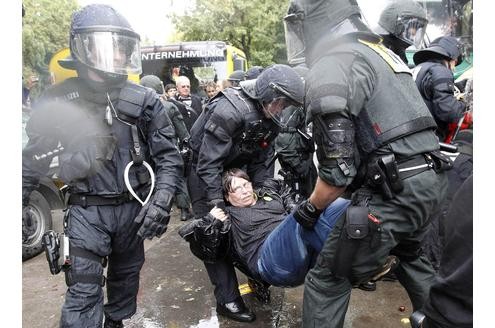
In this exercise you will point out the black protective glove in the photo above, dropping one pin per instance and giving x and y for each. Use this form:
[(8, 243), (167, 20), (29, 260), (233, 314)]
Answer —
[(154, 216), (208, 238), (220, 203), (306, 214)]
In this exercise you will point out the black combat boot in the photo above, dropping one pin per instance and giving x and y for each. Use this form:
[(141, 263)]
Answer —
[(109, 323), (390, 264), (236, 310), (368, 286)]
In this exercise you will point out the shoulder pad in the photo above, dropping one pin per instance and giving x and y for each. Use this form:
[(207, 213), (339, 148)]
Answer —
[(249, 88), (68, 90), (131, 99), (388, 55), (239, 99)]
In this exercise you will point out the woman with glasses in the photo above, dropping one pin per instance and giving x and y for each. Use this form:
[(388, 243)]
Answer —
[(258, 234)]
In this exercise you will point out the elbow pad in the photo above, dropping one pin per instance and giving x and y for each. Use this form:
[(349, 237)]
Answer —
[(334, 137)]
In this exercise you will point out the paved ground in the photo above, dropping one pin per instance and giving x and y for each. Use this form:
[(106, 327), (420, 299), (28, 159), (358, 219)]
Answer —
[(175, 292)]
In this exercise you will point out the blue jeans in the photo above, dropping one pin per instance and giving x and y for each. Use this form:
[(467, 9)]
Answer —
[(290, 250)]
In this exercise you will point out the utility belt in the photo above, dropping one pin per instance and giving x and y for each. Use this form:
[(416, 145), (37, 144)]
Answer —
[(94, 200), (386, 174), (361, 229)]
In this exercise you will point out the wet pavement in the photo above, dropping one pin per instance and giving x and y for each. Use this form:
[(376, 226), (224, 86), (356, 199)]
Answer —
[(175, 292)]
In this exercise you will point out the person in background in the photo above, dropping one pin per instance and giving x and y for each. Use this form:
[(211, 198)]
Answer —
[(211, 89), (402, 24), (235, 78), (295, 149), (182, 141), (170, 91), (435, 81), (189, 105), (253, 72), (450, 301)]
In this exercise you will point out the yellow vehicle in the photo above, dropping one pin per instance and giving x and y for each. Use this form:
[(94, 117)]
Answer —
[(59, 73), (200, 61)]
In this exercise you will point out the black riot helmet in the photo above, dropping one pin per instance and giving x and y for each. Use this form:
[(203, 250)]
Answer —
[(276, 83), (102, 40), (236, 77), (153, 82), (279, 81), (253, 72), (446, 47), (404, 19), (309, 20)]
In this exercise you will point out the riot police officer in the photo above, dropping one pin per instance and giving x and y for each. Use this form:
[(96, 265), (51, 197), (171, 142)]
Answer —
[(435, 81), (253, 72), (402, 24), (375, 138), (295, 148), (182, 137), (235, 130), (115, 143), (236, 77)]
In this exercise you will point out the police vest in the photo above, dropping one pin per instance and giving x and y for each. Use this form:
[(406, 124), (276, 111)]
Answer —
[(395, 108), (257, 132), (112, 139)]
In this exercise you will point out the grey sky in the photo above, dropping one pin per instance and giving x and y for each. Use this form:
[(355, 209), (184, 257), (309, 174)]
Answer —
[(149, 17)]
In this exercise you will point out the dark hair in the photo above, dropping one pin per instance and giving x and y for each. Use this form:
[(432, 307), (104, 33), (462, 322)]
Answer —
[(229, 175), (170, 86)]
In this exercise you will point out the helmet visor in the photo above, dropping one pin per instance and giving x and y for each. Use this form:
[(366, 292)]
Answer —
[(109, 52), (274, 108), (294, 38), (290, 99), (413, 30)]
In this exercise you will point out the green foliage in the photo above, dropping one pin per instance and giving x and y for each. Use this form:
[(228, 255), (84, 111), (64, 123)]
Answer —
[(45, 30), (255, 27)]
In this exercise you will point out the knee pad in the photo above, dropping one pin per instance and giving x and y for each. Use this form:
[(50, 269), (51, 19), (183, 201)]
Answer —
[(72, 278)]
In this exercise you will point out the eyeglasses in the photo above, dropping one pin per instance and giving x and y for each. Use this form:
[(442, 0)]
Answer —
[(185, 86), (246, 186)]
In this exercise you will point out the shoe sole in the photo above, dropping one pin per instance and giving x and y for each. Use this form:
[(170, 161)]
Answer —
[(230, 316)]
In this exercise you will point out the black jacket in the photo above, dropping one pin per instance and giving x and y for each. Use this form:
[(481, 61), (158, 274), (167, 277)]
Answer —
[(96, 153), (450, 303), (189, 113), (211, 239), (436, 85), (231, 132)]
